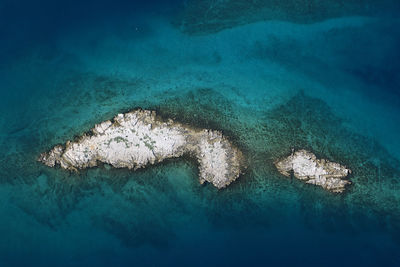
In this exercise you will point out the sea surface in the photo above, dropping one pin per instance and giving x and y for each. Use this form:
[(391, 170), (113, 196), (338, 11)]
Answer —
[(271, 75)]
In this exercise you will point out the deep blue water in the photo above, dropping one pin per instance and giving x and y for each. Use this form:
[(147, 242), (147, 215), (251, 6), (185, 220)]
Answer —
[(324, 81)]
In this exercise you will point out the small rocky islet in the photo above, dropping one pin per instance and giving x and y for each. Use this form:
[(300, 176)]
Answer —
[(306, 167), (140, 138)]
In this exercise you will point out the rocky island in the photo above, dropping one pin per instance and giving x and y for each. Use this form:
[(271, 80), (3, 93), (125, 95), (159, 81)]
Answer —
[(306, 167), (139, 138)]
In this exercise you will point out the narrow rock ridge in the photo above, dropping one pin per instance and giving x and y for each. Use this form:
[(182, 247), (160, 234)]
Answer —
[(138, 138), (306, 167)]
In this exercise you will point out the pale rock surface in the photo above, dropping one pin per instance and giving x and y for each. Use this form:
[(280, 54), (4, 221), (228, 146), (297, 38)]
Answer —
[(306, 167), (138, 138)]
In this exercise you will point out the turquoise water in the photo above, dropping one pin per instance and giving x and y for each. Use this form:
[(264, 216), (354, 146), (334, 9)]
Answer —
[(330, 85)]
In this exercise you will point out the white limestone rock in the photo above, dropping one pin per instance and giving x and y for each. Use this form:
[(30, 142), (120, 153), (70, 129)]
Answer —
[(138, 138), (306, 167)]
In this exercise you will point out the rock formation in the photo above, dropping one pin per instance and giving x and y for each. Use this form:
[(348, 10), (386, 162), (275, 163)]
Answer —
[(306, 167), (138, 138)]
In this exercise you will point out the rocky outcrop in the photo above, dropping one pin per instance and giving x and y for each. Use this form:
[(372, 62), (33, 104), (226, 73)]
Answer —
[(139, 138), (306, 167)]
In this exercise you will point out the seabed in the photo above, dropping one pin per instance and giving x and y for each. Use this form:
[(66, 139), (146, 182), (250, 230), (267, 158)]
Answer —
[(268, 85)]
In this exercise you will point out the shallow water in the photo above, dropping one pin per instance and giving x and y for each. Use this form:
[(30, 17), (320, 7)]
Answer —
[(327, 83)]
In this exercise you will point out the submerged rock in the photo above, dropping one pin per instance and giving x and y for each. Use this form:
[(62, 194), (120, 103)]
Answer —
[(209, 16), (306, 167), (138, 138)]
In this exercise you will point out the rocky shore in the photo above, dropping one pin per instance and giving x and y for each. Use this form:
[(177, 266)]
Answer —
[(306, 167), (139, 138)]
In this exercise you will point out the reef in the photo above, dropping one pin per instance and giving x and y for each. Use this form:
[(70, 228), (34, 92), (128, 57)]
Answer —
[(306, 167), (209, 16), (139, 138)]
